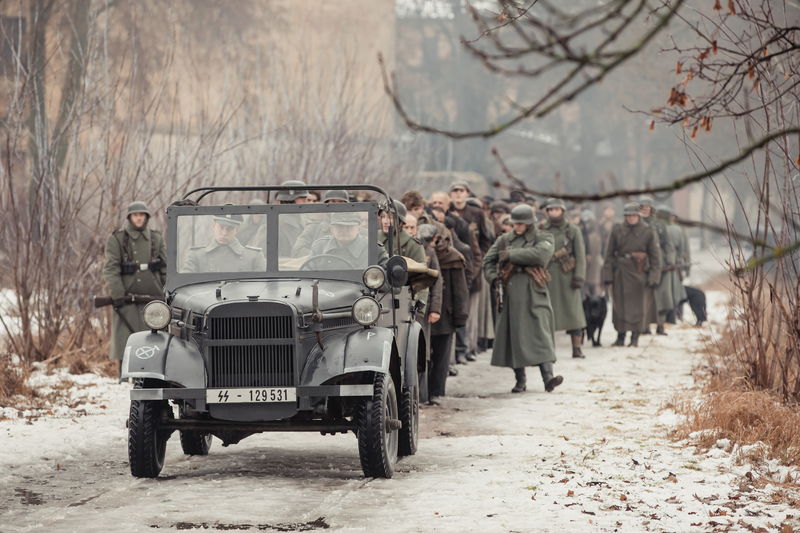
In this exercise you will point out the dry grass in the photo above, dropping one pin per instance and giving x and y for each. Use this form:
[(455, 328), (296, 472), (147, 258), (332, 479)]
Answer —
[(12, 381), (744, 417)]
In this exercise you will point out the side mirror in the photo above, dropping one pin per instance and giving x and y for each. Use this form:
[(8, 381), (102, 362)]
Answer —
[(397, 271)]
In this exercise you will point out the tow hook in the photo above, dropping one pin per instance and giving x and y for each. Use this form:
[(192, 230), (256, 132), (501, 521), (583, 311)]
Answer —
[(393, 424)]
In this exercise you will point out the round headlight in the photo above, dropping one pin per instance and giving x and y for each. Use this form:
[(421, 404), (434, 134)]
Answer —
[(366, 311), (156, 315), (374, 277)]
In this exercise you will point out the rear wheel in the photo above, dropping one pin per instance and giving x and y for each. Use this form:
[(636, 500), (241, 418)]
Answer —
[(378, 429), (409, 416), (195, 443), (147, 442)]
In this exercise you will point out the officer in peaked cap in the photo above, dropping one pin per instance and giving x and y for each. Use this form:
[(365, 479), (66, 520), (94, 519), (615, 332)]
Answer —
[(225, 253)]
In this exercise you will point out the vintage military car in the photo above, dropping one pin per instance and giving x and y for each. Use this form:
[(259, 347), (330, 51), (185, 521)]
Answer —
[(305, 324)]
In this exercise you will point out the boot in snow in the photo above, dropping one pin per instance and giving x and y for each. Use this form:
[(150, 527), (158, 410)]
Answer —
[(620, 339), (576, 347), (634, 339), (521, 385), (550, 381)]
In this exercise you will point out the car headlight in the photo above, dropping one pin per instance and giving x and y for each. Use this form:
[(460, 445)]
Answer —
[(374, 277), (156, 315), (366, 311)]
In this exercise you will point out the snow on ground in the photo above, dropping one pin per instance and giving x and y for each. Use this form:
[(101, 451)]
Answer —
[(592, 456)]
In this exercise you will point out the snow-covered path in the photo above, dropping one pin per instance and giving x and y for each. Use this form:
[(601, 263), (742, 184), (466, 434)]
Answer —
[(591, 456)]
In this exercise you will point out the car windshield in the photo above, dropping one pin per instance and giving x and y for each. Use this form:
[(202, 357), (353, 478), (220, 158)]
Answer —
[(299, 239)]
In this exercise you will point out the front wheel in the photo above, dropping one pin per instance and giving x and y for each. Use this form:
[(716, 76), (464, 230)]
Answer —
[(147, 442), (378, 429)]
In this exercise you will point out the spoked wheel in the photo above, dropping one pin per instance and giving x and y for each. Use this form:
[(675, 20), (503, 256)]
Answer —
[(378, 429), (195, 443), (409, 416), (147, 442)]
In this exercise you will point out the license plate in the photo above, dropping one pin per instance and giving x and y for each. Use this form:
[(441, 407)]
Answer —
[(262, 395)]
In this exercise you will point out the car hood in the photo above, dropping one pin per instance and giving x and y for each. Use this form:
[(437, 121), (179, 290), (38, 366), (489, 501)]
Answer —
[(332, 294)]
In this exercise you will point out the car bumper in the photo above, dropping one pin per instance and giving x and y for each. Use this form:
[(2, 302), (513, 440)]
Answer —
[(199, 395)]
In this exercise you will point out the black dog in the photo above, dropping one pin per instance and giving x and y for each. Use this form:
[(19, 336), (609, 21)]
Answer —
[(595, 309), (697, 301)]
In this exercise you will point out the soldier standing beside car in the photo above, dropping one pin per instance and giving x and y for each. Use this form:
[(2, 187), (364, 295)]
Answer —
[(524, 334), (135, 265), (567, 274), (632, 266)]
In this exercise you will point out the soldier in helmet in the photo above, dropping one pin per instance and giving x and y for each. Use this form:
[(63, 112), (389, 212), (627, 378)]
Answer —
[(524, 334), (135, 264), (225, 253), (345, 241), (671, 271), (291, 226), (632, 266), (405, 244), (567, 273)]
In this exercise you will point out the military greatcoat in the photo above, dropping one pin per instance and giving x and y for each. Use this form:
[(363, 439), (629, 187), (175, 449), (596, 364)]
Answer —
[(524, 332), (676, 236), (566, 300), (620, 269), (233, 257), (664, 293), (140, 248)]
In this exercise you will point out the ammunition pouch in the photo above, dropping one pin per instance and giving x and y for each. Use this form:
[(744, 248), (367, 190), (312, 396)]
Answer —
[(640, 260), (539, 275), (128, 268), (155, 266), (565, 259)]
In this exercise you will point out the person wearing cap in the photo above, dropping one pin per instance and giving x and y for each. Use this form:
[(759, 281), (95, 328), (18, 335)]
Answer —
[(646, 207), (632, 266), (135, 263), (460, 204), (661, 302), (567, 274), (673, 264), (291, 226), (346, 241), (524, 334), (225, 253)]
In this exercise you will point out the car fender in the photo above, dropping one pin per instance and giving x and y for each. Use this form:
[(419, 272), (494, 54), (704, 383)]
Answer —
[(410, 362), (368, 349), (158, 355)]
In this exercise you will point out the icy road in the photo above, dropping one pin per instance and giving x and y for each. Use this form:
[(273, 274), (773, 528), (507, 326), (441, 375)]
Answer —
[(593, 456)]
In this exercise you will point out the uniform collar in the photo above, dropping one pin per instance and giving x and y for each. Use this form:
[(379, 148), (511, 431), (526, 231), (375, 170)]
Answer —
[(235, 246), (136, 233)]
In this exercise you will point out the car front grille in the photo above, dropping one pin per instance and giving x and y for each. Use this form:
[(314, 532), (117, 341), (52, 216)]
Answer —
[(251, 366), (251, 327), (251, 345)]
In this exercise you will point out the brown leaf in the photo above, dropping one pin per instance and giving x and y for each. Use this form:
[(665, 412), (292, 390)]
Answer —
[(623, 498), (786, 528), (678, 67), (714, 47), (717, 6), (565, 480), (570, 493), (718, 512), (652, 125), (672, 477), (731, 7), (797, 161)]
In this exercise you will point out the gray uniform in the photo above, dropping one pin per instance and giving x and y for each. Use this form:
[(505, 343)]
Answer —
[(356, 253), (232, 257)]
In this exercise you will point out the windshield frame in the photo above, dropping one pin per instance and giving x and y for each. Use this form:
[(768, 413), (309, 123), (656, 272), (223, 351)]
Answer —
[(177, 279)]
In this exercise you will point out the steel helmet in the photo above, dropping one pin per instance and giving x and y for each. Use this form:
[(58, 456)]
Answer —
[(138, 207), (522, 214), (297, 191)]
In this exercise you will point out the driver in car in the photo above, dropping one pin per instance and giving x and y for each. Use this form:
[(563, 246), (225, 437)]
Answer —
[(346, 242), (225, 253)]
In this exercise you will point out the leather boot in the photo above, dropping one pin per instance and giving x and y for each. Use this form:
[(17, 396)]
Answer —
[(521, 385), (620, 339), (576, 347), (550, 381), (660, 330), (634, 339)]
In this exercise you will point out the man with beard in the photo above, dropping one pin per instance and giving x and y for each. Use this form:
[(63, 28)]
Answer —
[(632, 266), (135, 264)]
